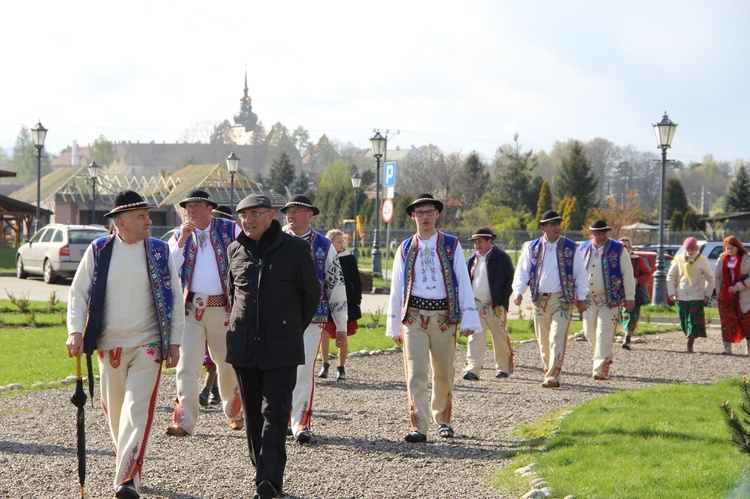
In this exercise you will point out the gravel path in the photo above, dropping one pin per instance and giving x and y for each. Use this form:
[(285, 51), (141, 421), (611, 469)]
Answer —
[(357, 451)]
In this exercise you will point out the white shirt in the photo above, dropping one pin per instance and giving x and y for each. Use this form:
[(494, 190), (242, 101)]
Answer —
[(480, 284), (550, 275)]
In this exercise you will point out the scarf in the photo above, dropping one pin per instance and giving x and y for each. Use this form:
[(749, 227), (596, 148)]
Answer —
[(685, 266), (730, 276)]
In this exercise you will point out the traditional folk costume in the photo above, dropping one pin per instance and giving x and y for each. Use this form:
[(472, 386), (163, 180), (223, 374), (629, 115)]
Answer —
[(556, 275), (691, 281), (491, 279), (610, 280), (734, 309), (643, 277), (333, 301), (430, 295), (123, 299), (204, 267)]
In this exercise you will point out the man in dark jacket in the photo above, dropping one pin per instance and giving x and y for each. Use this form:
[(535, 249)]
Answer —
[(274, 292), (491, 272)]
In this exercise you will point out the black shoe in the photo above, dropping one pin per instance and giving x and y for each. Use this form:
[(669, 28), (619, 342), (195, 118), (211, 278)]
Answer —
[(215, 397), (266, 490), (303, 436), (203, 396), (501, 374), (127, 491), (626, 345), (471, 376), (445, 431), (324, 372), (342, 374), (414, 437), (289, 431)]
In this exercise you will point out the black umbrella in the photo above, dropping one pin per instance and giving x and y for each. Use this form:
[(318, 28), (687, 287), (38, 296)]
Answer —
[(79, 400)]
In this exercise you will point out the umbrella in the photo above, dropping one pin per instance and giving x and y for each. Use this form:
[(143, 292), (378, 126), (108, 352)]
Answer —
[(79, 400)]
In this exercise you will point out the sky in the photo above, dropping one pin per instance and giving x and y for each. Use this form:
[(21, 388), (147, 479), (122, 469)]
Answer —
[(465, 76)]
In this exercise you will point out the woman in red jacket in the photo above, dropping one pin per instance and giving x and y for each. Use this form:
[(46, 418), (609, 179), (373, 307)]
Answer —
[(629, 320)]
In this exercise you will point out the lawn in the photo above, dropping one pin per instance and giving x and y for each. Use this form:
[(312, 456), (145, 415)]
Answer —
[(7, 259)]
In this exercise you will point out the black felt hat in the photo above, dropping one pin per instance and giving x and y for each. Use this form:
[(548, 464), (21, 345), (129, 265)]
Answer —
[(128, 201), (599, 226), (222, 211), (302, 201), (424, 199), (198, 195), (483, 233), (254, 201), (550, 216)]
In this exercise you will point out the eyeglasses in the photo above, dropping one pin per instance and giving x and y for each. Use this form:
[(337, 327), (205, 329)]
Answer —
[(424, 213), (252, 215)]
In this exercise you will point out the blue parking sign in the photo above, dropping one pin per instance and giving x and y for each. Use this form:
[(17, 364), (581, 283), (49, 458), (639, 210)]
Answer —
[(389, 174)]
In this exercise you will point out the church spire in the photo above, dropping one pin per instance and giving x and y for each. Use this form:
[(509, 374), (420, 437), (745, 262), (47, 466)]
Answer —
[(245, 116)]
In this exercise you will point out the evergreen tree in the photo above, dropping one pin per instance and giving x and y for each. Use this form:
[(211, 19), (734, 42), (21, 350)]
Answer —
[(738, 195), (676, 221), (690, 222), (674, 198), (472, 181), (513, 177), (570, 211), (575, 178), (282, 174), (545, 200), (300, 185), (24, 160)]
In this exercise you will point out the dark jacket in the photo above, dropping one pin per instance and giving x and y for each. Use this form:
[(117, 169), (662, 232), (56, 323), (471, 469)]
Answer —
[(500, 273), (274, 291), (353, 286)]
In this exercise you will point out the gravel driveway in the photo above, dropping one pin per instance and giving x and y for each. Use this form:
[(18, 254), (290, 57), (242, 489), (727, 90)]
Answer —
[(357, 451)]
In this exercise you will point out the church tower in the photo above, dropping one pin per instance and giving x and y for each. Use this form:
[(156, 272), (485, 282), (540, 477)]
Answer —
[(245, 116)]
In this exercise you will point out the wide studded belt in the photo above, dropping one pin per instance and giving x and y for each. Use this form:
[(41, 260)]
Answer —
[(213, 300), (427, 304)]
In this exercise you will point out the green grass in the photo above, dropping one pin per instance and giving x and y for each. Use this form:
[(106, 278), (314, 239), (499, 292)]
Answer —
[(661, 442), (7, 259)]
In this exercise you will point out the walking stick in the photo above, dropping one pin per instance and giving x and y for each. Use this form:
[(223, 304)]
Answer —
[(79, 400)]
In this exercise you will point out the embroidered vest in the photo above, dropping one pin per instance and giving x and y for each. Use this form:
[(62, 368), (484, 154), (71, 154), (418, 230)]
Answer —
[(157, 260), (320, 245), (446, 248), (611, 270), (222, 234), (565, 252)]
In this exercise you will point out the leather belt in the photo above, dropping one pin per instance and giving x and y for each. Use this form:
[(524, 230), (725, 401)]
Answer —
[(213, 300), (427, 304)]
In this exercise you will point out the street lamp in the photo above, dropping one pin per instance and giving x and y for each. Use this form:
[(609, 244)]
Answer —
[(378, 149), (356, 182), (664, 134), (233, 162), (38, 133), (93, 172)]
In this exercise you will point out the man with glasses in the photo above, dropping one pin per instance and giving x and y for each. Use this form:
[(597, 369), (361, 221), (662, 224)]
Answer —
[(199, 248), (430, 295), (299, 212), (274, 292)]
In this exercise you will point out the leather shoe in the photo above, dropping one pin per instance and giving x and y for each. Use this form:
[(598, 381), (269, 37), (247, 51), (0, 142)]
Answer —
[(266, 490), (303, 436), (600, 377), (236, 424), (127, 491), (468, 375), (445, 431), (177, 431), (551, 383), (501, 374), (414, 437)]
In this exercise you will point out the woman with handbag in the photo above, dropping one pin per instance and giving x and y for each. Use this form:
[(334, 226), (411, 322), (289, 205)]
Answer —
[(690, 283), (629, 320), (732, 280)]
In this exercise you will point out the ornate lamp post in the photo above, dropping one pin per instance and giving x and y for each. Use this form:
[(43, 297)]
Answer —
[(38, 133), (233, 162), (664, 134), (356, 182), (93, 172), (378, 149)]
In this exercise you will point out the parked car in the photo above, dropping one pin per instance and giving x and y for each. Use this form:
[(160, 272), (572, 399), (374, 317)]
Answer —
[(669, 249), (711, 250), (55, 250)]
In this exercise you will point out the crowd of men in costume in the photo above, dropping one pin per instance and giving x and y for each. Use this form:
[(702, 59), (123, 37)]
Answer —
[(141, 302)]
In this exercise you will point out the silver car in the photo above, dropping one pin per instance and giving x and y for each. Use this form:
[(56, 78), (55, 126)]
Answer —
[(56, 250)]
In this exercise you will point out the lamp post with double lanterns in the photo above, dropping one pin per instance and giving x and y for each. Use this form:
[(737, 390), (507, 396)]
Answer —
[(356, 182), (378, 150), (38, 134), (233, 162), (93, 172), (664, 134)]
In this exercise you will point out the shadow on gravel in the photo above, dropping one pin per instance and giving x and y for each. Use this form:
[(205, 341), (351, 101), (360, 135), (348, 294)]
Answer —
[(45, 450)]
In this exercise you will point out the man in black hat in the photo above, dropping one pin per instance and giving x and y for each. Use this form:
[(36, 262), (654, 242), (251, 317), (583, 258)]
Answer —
[(299, 212), (430, 295), (124, 300), (611, 285), (199, 248), (274, 292), (491, 272), (553, 269)]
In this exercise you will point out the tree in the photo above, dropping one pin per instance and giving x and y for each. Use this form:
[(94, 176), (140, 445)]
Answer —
[(690, 223), (570, 211), (676, 221), (103, 152), (545, 200), (602, 155), (513, 177), (335, 196), (301, 140), (24, 160), (674, 198), (472, 180), (575, 178), (300, 185), (282, 174), (619, 213), (222, 133), (738, 196)]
